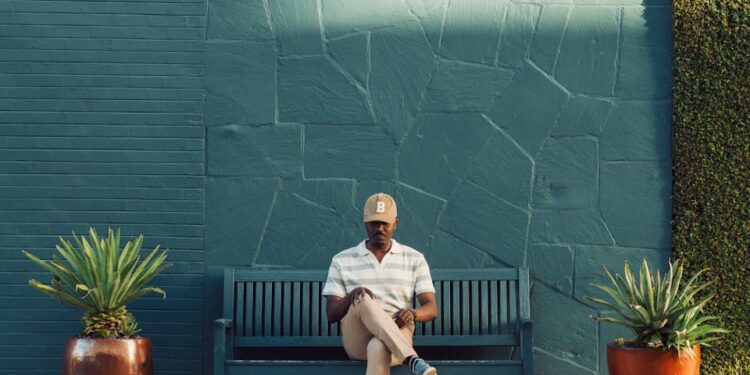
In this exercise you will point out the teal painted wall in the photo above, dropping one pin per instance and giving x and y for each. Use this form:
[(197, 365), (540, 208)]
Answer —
[(101, 123), (249, 134)]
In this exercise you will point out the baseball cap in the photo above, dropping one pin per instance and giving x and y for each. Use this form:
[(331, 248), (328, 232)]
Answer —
[(380, 207)]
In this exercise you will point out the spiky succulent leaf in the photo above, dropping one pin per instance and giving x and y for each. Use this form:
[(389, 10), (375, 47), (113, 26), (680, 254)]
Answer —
[(659, 310), (100, 277), (129, 327)]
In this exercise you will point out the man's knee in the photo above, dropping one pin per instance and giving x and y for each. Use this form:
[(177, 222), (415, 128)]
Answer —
[(365, 301)]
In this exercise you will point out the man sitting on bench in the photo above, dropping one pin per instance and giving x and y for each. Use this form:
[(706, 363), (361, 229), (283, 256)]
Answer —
[(370, 288)]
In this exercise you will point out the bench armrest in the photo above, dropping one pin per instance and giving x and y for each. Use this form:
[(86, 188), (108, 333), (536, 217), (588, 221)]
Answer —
[(527, 346), (221, 327), (226, 323)]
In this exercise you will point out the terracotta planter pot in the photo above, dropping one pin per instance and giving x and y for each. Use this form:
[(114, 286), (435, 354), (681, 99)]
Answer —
[(640, 361), (108, 356)]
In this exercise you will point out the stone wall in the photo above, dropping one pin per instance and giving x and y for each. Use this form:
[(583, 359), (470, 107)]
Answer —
[(511, 133), (249, 133)]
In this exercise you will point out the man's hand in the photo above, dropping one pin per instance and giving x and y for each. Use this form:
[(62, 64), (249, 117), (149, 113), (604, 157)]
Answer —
[(403, 317), (336, 307), (360, 292)]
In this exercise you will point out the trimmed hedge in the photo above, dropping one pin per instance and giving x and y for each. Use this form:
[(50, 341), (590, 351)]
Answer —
[(712, 163)]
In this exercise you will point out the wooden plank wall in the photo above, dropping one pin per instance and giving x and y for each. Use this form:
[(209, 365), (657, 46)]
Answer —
[(101, 124)]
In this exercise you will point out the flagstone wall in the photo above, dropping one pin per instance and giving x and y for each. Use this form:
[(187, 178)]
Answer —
[(511, 133), (249, 133)]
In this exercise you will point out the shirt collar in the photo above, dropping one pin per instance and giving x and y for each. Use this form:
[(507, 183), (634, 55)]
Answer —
[(363, 250)]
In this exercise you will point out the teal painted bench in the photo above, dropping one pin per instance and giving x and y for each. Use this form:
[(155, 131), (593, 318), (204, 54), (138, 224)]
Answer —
[(282, 314)]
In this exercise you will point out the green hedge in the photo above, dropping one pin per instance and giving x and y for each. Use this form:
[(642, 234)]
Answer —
[(712, 163)]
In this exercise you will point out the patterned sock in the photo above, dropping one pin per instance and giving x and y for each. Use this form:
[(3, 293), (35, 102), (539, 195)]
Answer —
[(419, 366)]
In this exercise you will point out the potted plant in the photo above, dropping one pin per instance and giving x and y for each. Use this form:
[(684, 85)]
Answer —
[(665, 318), (101, 278)]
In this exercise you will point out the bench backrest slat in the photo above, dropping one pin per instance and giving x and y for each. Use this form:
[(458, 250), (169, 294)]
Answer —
[(503, 307), (239, 303), (288, 303), (436, 326), (512, 306), (494, 305), (253, 315), (484, 314), (315, 314), (474, 322), (267, 304)]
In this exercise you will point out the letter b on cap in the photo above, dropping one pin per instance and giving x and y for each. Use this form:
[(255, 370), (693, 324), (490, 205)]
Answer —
[(380, 207)]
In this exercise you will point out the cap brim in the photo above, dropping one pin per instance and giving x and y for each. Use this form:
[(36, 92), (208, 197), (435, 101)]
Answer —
[(380, 217)]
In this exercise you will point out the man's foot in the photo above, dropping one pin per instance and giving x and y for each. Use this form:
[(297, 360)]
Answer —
[(420, 367)]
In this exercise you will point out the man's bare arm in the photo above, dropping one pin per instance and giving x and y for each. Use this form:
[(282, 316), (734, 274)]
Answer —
[(427, 311), (427, 307), (337, 307)]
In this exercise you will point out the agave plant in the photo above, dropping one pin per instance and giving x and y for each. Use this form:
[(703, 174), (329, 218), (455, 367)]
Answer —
[(101, 279), (661, 312)]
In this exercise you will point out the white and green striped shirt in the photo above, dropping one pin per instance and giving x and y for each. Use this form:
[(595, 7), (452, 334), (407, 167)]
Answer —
[(402, 273)]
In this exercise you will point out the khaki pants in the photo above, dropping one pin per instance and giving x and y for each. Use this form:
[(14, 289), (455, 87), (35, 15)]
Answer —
[(370, 334)]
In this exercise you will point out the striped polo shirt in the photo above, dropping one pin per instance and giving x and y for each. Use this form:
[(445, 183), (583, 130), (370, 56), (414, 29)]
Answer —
[(394, 281)]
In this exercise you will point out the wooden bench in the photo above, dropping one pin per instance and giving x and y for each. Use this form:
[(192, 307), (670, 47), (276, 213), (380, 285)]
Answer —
[(281, 312)]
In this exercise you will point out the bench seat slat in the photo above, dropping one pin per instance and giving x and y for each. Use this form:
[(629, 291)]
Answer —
[(333, 362), (308, 341), (437, 363), (346, 367)]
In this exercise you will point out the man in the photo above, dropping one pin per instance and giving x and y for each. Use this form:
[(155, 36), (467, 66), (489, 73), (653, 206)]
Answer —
[(370, 288)]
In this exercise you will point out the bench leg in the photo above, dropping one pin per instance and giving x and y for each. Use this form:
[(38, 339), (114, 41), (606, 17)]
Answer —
[(527, 348)]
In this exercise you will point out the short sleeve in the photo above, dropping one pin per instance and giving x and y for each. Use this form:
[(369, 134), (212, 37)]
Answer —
[(334, 283), (424, 279)]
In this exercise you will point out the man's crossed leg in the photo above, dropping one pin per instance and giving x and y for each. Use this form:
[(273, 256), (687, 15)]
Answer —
[(370, 334)]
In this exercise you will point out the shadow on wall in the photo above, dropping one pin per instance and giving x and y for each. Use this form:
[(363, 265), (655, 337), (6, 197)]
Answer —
[(509, 133)]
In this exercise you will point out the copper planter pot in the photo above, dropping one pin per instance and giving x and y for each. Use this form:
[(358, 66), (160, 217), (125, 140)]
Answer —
[(108, 356), (641, 361)]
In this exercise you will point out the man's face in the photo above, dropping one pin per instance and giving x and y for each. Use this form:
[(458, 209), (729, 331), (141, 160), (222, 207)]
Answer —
[(379, 232)]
